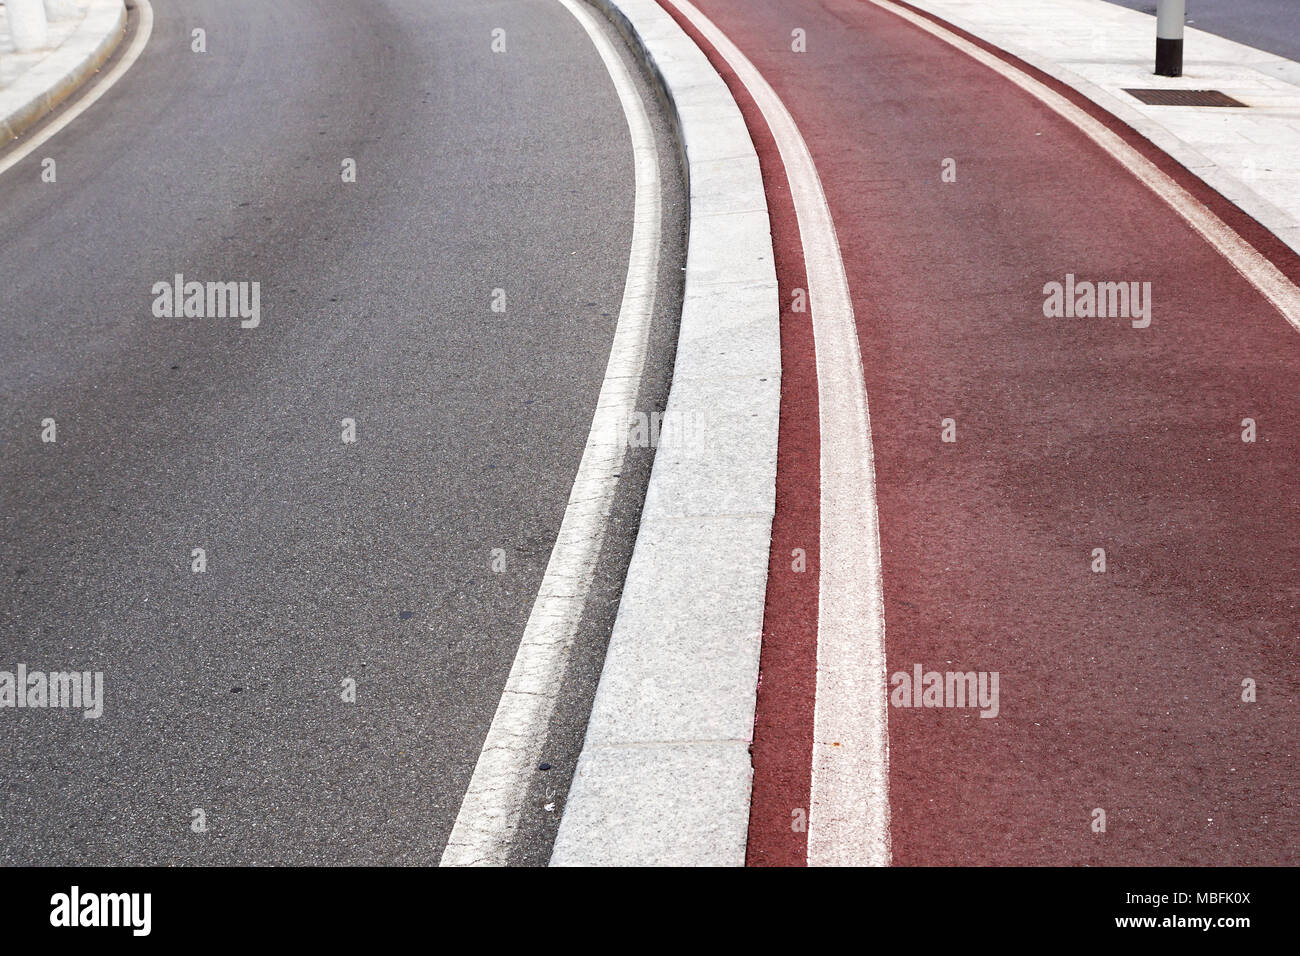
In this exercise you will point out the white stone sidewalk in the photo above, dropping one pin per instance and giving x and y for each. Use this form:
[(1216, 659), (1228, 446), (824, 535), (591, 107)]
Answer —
[(1251, 156), (78, 43)]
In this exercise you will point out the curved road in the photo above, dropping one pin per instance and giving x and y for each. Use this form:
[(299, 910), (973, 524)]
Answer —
[(1158, 687), (327, 561)]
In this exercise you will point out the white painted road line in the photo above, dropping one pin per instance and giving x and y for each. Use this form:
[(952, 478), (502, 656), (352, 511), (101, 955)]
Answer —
[(1267, 279), (848, 821), (489, 814), (100, 87)]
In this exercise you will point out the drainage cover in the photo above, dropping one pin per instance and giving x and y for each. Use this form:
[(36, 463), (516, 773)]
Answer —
[(1184, 98)]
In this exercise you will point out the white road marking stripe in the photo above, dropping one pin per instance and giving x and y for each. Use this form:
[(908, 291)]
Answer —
[(1267, 279), (848, 821), (101, 86), (489, 814)]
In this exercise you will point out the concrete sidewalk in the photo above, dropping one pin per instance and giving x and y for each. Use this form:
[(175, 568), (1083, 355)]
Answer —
[(33, 83), (1251, 156)]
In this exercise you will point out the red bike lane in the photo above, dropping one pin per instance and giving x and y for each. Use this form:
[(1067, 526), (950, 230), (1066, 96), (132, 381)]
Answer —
[(1120, 690)]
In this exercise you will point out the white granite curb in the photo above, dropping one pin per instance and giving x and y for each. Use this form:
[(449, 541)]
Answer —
[(51, 80), (1251, 156), (665, 773)]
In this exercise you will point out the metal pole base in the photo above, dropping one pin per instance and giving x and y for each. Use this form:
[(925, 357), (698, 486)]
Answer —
[(1169, 57)]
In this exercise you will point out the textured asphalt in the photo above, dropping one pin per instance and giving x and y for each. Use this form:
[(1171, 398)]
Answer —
[(371, 561), (1119, 691), (1272, 25)]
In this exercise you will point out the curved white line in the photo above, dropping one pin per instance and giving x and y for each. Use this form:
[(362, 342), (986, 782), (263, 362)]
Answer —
[(848, 820), (490, 811), (101, 86)]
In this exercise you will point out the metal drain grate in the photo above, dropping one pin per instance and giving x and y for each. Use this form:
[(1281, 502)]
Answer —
[(1184, 98)]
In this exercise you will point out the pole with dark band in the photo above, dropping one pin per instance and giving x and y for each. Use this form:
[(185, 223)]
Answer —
[(1169, 37)]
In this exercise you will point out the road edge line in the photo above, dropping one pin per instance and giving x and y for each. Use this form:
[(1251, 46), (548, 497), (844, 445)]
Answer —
[(102, 28), (488, 819), (664, 776)]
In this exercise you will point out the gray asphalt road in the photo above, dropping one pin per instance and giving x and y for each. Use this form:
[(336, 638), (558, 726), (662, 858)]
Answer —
[(326, 561), (1272, 25)]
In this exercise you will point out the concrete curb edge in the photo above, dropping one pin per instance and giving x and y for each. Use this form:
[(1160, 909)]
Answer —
[(665, 773), (61, 73)]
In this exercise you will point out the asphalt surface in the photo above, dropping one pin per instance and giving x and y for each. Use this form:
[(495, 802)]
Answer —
[(1272, 25), (326, 561), (1121, 690)]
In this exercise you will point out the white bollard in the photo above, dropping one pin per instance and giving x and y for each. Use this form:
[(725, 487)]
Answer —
[(27, 24), (1169, 36)]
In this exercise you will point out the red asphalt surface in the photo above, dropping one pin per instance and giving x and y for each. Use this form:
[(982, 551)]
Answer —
[(1121, 690)]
